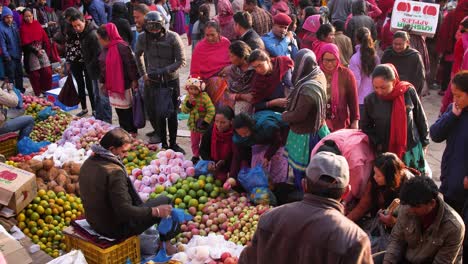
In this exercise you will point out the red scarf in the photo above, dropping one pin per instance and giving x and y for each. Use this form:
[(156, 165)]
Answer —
[(398, 121), (221, 144), (264, 85), (115, 83), (31, 32), (209, 58)]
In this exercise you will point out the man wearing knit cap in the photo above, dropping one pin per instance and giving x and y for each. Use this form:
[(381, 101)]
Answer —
[(11, 49), (313, 230), (280, 42)]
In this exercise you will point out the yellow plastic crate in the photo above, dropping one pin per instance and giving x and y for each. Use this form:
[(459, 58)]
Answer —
[(117, 254), (8, 143)]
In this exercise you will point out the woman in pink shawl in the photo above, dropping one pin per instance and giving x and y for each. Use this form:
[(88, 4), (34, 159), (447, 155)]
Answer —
[(342, 99), (310, 26), (209, 57), (118, 73), (225, 19)]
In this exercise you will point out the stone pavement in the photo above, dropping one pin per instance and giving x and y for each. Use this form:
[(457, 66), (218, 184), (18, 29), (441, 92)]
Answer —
[(431, 105)]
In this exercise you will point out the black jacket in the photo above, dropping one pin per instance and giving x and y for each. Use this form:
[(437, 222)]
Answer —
[(359, 20), (90, 49), (253, 40), (120, 19)]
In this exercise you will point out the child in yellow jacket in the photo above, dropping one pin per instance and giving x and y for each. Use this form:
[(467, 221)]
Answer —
[(201, 112)]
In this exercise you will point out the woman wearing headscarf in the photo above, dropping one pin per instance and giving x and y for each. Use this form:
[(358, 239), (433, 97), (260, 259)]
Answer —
[(225, 19), (406, 60), (210, 56), (119, 19), (118, 73), (342, 99), (305, 112), (271, 82), (394, 118), (310, 28), (36, 47)]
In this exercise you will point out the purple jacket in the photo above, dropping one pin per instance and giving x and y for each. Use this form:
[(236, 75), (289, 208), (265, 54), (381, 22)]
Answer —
[(363, 82)]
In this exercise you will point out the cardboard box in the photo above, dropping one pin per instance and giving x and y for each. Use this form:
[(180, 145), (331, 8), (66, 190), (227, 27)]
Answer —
[(13, 251), (17, 187), (423, 17)]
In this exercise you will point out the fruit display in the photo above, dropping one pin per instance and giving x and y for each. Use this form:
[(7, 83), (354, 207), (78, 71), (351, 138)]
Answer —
[(63, 154), (11, 163), (49, 177), (139, 156), (234, 218), (212, 249), (33, 105), (85, 132), (52, 128), (46, 216), (20, 158)]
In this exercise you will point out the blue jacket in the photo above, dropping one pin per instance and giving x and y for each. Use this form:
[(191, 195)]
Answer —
[(10, 41), (279, 47), (97, 9), (454, 165)]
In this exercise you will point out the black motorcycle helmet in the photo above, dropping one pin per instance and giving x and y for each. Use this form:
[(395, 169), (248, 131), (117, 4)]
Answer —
[(154, 21)]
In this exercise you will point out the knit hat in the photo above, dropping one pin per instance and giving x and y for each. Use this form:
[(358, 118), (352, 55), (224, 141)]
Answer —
[(6, 12), (282, 19), (197, 82), (328, 164)]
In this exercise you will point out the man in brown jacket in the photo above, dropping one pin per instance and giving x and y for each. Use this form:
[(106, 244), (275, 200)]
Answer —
[(427, 230), (315, 229)]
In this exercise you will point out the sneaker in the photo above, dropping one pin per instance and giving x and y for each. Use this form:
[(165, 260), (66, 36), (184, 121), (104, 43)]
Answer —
[(154, 139), (82, 113), (177, 148), (195, 160), (150, 134)]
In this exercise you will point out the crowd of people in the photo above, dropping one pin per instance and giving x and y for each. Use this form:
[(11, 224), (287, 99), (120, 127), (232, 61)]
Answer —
[(327, 91)]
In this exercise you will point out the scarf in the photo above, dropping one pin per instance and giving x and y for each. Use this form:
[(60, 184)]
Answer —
[(209, 58), (31, 32), (221, 144), (238, 80), (305, 71), (225, 13), (398, 121), (115, 83), (333, 49), (100, 151), (264, 85)]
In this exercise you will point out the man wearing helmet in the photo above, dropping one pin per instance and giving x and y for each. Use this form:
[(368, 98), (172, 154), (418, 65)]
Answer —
[(163, 57)]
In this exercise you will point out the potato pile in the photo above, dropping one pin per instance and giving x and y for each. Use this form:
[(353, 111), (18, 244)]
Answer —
[(49, 177)]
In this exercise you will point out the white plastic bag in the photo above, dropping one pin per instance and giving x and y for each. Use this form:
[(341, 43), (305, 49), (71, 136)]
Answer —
[(73, 257)]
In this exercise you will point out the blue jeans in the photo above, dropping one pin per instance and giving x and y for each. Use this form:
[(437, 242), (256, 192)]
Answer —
[(24, 124), (101, 101)]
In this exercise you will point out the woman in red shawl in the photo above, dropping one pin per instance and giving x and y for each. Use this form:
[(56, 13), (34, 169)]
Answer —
[(271, 83), (225, 19), (209, 57), (36, 47), (342, 99), (310, 28), (394, 118), (216, 144), (118, 73)]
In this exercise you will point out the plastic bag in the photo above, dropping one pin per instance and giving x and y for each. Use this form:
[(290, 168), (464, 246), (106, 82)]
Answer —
[(45, 113), (262, 195), (202, 167), (72, 257), (27, 146), (149, 241), (139, 120), (68, 95), (253, 178)]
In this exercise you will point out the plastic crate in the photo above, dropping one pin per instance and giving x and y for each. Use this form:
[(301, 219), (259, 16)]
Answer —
[(8, 144), (52, 96), (117, 254)]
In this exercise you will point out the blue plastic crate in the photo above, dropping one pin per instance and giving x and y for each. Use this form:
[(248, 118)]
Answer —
[(52, 96), (55, 80)]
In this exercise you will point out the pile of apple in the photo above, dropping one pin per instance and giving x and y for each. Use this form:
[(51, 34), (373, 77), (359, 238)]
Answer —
[(168, 167), (33, 105), (20, 158), (234, 218), (52, 128), (139, 156), (85, 132)]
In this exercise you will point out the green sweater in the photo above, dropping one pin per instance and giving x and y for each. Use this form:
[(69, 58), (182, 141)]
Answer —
[(202, 109)]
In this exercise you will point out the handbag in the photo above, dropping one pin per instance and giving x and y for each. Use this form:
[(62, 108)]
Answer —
[(164, 106), (139, 119), (68, 95)]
